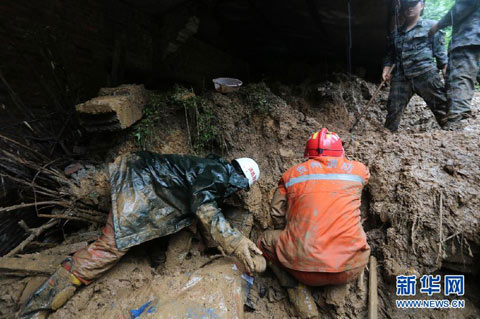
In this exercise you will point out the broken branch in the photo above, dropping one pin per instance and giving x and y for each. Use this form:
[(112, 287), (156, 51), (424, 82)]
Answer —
[(440, 225), (14, 207), (34, 232)]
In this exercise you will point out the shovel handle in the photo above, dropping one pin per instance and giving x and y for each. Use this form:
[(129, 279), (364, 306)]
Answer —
[(365, 108)]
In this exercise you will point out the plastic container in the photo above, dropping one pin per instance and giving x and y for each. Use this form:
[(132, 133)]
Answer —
[(226, 85)]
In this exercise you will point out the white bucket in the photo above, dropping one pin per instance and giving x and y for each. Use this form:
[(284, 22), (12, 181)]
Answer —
[(225, 85)]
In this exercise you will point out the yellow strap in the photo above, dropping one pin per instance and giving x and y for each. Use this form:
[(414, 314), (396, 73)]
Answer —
[(75, 280)]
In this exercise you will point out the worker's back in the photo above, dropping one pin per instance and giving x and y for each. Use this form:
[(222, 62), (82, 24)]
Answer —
[(323, 231), (154, 195)]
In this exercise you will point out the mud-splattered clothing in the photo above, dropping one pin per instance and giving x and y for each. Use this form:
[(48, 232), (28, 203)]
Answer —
[(320, 202), (462, 73), (464, 17), (91, 262), (156, 195), (464, 58), (412, 51), (267, 243), (429, 86)]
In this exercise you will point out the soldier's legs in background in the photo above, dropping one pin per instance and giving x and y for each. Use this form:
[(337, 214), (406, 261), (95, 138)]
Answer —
[(462, 72), (94, 260), (400, 94), (431, 88)]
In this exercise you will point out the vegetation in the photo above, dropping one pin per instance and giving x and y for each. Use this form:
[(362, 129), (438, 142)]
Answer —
[(200, 120), (435, 10), (144, 131), (257, 98)]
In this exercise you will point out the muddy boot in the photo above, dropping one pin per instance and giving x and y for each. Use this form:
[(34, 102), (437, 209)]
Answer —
[(303, 301), (52, 294), (298, 294)]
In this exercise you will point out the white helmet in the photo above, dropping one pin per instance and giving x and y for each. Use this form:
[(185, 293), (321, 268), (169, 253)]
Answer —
[(249, 168)]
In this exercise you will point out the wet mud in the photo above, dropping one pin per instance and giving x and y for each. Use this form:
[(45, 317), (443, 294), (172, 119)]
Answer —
[(420, 209)]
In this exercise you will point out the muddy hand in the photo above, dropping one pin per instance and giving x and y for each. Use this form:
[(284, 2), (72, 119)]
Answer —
[(246, 252), (386, 73)]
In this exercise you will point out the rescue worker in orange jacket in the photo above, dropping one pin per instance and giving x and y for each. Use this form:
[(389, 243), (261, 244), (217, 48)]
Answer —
[(318, 237)]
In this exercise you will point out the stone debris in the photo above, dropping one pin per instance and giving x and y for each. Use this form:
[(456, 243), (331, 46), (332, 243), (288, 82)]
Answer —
[(114, 109)]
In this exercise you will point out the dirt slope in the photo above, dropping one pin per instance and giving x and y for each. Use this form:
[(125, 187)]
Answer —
[(421, 207)]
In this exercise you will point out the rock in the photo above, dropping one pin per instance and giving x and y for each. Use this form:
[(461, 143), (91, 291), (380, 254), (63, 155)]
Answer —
[(115, 109), (335, 295), (214, 291)]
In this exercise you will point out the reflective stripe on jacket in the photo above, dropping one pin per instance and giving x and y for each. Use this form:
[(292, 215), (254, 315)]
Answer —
[(323, 232)]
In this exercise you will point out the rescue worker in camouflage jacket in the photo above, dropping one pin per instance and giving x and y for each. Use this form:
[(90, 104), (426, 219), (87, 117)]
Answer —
[(153, 196), (412, 53), (464, 58), (318, 237)]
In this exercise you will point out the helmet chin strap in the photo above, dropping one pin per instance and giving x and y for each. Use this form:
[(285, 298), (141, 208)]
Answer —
[(319, 150)]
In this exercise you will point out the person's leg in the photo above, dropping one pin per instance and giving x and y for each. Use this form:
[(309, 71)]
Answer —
[(93, 261), (52, 294), (298, 294), (266, 242), (463, 69), (429, 86), (86, 265), (400, 94)]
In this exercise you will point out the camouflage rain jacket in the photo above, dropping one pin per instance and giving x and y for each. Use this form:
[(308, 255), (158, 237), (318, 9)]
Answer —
[(464, 16), (412, 51), (156, 195)]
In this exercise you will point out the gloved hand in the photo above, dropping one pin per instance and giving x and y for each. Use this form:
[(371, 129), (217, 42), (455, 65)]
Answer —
[(249, 254)]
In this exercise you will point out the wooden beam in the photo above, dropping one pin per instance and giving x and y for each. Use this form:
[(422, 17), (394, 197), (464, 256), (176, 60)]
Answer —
[(372, 289), (30, 265)]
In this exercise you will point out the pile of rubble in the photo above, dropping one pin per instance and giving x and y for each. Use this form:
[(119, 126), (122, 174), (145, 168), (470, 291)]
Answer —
[(420, 209)]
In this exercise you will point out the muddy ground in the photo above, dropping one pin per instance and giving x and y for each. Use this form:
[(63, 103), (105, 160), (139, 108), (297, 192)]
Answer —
[(420, 209)]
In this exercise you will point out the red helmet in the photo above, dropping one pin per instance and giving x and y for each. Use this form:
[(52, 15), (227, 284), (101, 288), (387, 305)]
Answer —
[(324, 143)]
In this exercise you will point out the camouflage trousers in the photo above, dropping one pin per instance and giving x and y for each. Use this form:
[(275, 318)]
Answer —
[(429, 86), (462, 73)]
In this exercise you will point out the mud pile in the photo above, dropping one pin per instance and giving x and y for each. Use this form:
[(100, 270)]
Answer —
[(420, 209)]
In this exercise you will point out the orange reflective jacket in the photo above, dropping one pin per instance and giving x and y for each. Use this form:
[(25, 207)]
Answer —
[(323, 232)]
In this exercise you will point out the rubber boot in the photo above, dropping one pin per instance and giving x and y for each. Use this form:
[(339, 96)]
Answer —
[(298, 294), (52, 294)]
